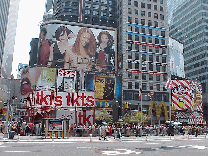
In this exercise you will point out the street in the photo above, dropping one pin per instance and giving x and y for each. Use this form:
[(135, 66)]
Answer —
[(151, 145)]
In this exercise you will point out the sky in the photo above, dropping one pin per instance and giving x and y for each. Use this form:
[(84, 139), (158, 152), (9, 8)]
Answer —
[(28, 26)]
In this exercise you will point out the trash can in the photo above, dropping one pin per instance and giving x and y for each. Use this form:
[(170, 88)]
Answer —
[(11, 134)]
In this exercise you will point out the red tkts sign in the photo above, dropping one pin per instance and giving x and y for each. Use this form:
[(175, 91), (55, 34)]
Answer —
[(62, 99)]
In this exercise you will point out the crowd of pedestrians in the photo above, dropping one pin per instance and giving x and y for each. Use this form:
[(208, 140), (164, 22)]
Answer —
[(103, 131)]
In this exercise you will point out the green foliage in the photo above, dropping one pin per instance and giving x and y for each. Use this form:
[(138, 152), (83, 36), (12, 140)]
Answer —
[(135, 117), (103, 115)]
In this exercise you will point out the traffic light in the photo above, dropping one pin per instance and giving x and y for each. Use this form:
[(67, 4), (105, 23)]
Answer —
[(1, 111)]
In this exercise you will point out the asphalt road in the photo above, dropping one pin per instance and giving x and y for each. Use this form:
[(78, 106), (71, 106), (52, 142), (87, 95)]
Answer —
[(161, 146)]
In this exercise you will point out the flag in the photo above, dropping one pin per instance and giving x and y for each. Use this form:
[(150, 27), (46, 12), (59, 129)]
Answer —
[(168, 84), (140, 92)]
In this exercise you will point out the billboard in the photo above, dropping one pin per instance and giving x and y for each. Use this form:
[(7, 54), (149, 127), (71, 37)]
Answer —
[(187, 95), (106, 88), (83, 48), (66, 80), (62, 99), (37, 78)]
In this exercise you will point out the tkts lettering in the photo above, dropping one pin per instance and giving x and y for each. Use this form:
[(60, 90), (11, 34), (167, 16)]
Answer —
[(63, 99)]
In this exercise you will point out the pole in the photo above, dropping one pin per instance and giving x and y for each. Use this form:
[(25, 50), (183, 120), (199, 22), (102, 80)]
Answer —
[(141, 88)]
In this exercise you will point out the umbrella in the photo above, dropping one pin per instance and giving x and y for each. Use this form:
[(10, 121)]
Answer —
[(104, 123)]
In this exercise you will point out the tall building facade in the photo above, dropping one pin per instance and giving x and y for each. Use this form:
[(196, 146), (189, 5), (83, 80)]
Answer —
[(143, 54), (96, 12), (4, 12), (190, 27), (9, 42)]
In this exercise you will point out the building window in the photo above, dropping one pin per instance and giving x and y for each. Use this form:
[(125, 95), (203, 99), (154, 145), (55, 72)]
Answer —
[(161, 8), (144, 86), (136, 12), (149, 6), (130, 65), (150, 67), (163, 33), (136, 46), (137, 65), (161, 1), (143, 57), (157, 77), (136, 85), (157, 58), (129, 2), (129, 19), (151, 86), (155, 1), (158, 87), (163, 42), (135, 3), (136, 39), (158, 68), (130, 75), (156, 41), (144, 48), (129, 46), (143, 39), (129, 85), (155, 7), (150, 32), (163, 59), (150, 40), (144, 76), (137, 29), (142, 13), (136, 56), (136, 75), (155, 24), (163, 51), (142, 5), (136, 20), (164, 78), (95, 6), (149, 14), (161, 16), (129, 11), (143, 21), (150, 50), (150, 77), (149, 22), (157, 51), (129, 37), (155, 15)]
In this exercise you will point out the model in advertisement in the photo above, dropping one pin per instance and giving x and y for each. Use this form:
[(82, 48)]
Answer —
[(105, 54), (62, 51), (44, 48), (84, 49)]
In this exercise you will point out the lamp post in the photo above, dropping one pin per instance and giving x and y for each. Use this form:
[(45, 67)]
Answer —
[(141, 88)]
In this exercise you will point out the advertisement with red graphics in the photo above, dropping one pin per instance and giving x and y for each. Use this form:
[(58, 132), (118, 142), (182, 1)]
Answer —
[(62, 99), (79, 47), (55, 125), (76, 115), (37, 78), (187, 95)]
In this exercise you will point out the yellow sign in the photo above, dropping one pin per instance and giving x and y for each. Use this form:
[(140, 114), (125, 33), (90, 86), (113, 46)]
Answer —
[(126, 104), (158, 109)]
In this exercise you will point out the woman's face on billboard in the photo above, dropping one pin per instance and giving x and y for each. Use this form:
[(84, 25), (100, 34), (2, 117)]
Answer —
[(104, 38), (63, 36), (85, 38)]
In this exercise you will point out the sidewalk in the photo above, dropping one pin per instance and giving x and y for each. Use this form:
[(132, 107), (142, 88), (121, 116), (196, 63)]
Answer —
[(18, 138)]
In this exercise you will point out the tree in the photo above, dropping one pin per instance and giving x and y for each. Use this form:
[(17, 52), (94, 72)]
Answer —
[(103, 115), (135, 117)]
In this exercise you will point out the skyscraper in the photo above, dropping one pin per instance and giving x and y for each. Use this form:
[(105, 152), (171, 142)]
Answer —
[(4, 12), (96, 12), (190, 27), (9, 39), (143, 54)]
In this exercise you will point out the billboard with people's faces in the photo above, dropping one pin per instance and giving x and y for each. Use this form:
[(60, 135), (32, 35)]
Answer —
[(37, 78), (77, 47)]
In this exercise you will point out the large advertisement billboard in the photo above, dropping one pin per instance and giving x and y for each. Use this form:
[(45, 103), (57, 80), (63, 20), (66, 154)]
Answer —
[(82, 48), (37, 78), (106, 88)]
